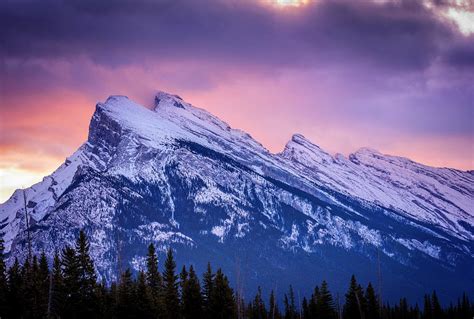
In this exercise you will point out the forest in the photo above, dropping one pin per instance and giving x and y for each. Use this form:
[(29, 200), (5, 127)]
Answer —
[(70, 289)]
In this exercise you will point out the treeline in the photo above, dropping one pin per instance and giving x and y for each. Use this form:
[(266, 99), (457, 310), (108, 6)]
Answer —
[(70, 290)]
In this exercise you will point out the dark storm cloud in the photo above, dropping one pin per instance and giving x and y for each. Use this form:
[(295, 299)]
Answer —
[(401, 35)]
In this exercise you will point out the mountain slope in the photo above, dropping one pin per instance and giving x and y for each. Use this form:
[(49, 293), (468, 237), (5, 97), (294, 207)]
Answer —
[(177, 175)]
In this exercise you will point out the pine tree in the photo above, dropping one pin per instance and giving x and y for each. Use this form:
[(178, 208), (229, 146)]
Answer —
[(436, 306), (154, 280), (353, 307), (170, 288), (258, 310), (373, 307), (143, 297), (87, 277), (71, 283), (273, 309), (325, 303), (465, 307), (57, 296), (191, 297), (208, 283), (305, 308), (290, 307), (222, 303), (427, 309), (126, 301), (313, 303), (15, 296), (3, 281)]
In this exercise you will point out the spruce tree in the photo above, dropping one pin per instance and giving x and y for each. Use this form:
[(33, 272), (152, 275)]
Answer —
[(71, 283), (325, 303), (436, 306), (191, 297), (427, 309), (207, 283), (3, 281), (272, 307), (87, 277), (305, 308), (373, 307), (222, 303), (143, 296), (57, 296), (153, 279), (290, 306), (170, 288), (353, 308), (313, 303), (15, 295), (258, 310), (126, 301)]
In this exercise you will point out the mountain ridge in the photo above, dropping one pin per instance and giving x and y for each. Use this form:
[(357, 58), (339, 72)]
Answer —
[(177, 175)]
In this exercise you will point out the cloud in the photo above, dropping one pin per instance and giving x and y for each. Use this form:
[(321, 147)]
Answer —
[(347, 73)]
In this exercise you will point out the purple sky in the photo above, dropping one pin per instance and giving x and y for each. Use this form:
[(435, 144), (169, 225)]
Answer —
[(397, 76)]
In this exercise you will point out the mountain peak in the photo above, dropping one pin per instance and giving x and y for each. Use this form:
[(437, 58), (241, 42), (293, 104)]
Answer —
[(300, 148), (164, 99)]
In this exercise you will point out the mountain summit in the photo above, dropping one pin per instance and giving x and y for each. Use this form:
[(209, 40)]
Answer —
[(178, 176)]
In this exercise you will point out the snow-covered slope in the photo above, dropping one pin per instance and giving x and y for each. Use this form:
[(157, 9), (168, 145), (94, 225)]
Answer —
[(176, 175)]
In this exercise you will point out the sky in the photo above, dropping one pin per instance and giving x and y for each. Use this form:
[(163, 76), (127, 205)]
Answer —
[(393, 75)]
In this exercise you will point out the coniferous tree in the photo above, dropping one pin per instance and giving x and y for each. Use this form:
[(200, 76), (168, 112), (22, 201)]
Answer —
[(464, 307), (154, 279), (71, 283), (207, 283), (427, 309), (325, 303), (87, 277), (313, 303), (437, 312), (170, 288), (43, 284), (353, 308), (143, 297), (3, 281), (305, 309), (126, 301), (273, 311), (222, 303), (258, 310), (373, 307), (57, 297), (290, 307), (15, 297), (191, 297)]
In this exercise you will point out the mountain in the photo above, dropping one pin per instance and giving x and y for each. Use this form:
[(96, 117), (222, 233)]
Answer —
[(177, 176)]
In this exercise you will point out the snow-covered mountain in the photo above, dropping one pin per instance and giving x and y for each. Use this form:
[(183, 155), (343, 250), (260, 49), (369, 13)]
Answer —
[(176, 175)]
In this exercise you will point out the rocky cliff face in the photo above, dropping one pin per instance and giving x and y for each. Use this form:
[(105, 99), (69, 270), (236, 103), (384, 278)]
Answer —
[(177, 176)]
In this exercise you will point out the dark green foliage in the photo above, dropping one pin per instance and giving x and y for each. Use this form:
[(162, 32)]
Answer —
[(126, 301), (373, 306), (355, 301), (221, 303), (70, 290), (325, 303), (191, 297), (208, 282), (170, 288), (258, 310), (154, 280), (15, 294), (273, 311), (290, 307), (3, 281), (144, 297)]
